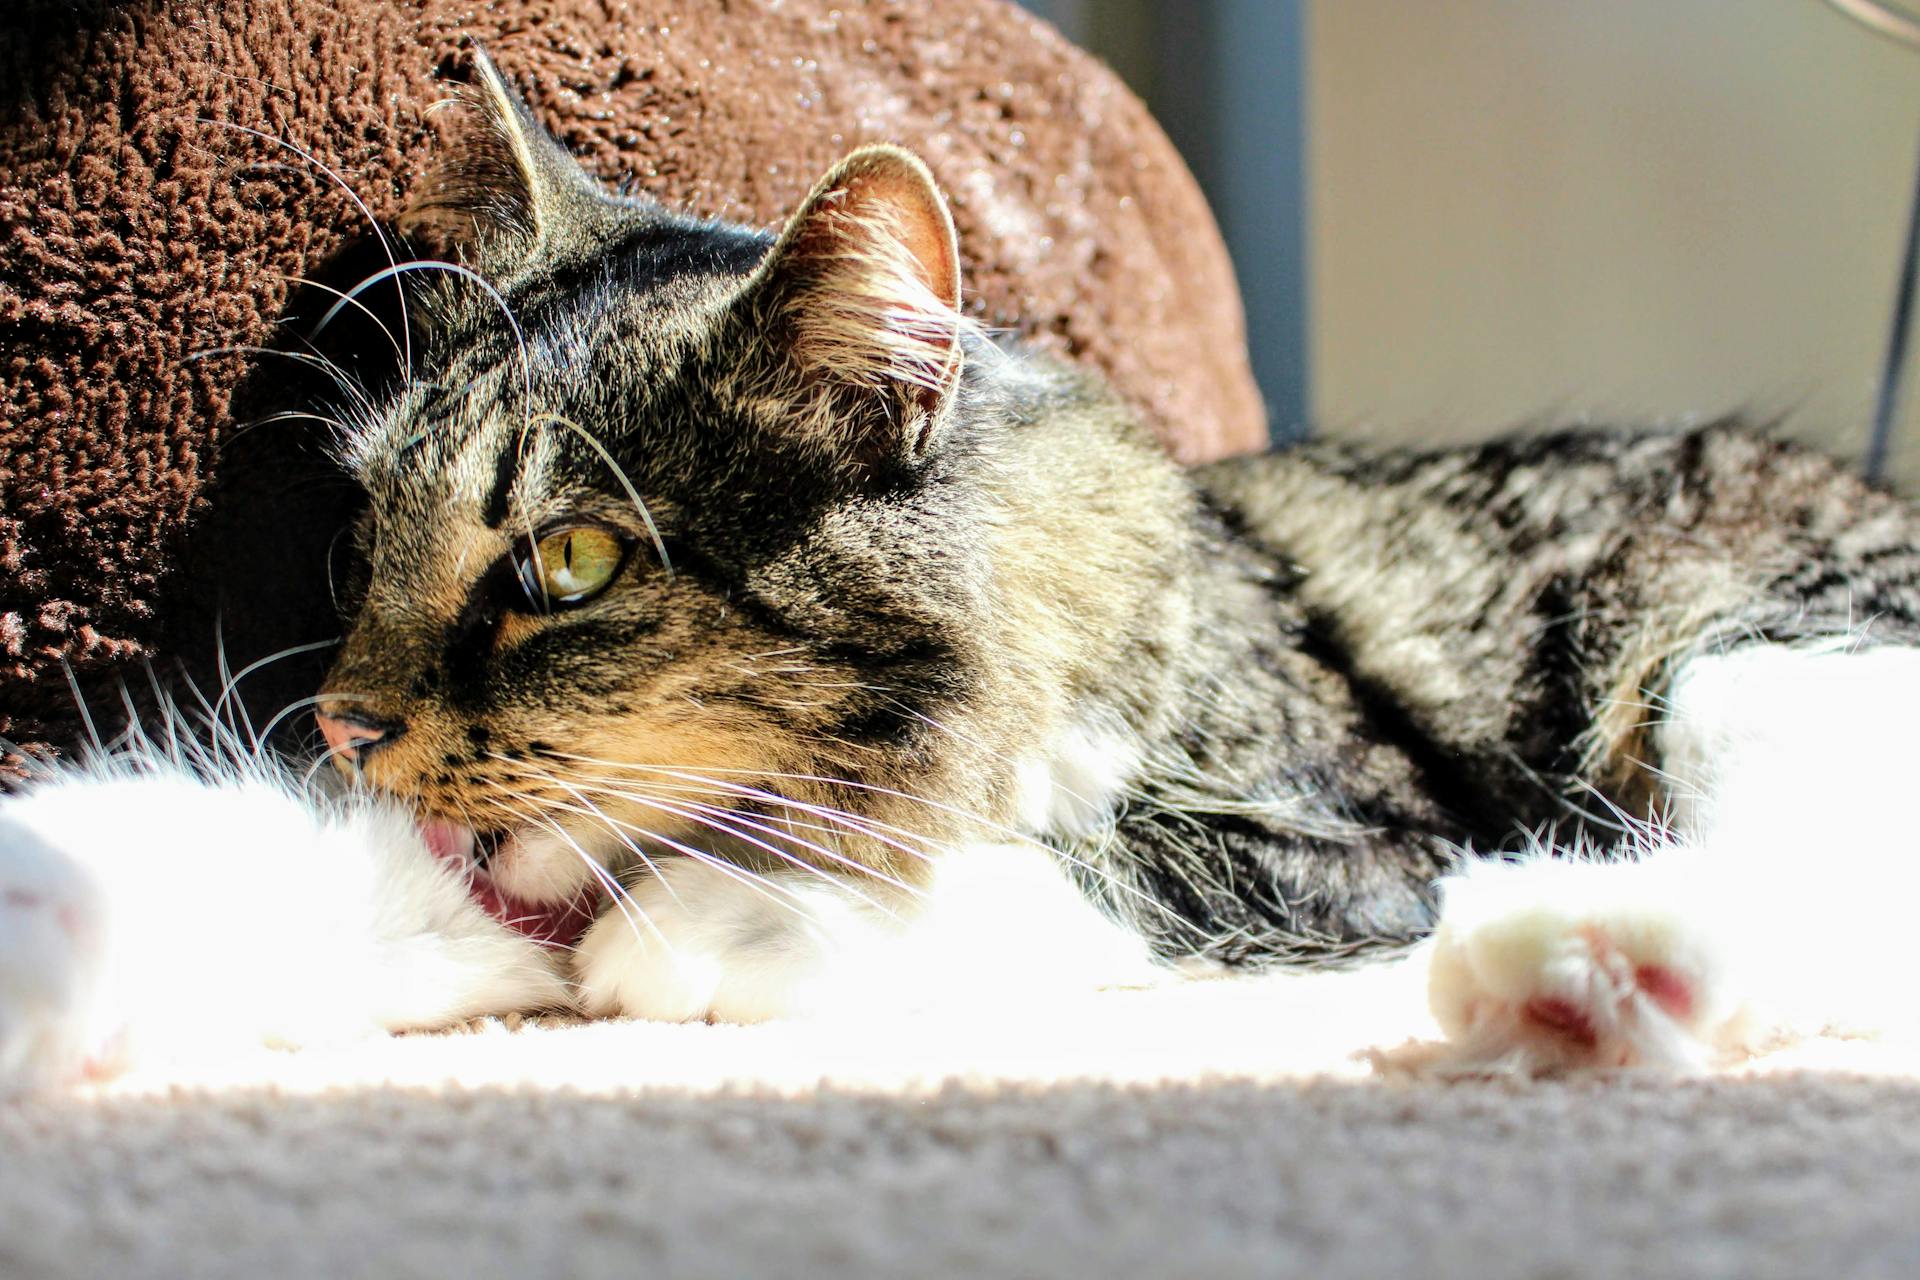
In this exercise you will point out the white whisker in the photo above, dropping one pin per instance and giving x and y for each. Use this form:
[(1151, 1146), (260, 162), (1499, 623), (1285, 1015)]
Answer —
[(874, 828), (646, 516), (386, 245), (623, 901), (773, 891)]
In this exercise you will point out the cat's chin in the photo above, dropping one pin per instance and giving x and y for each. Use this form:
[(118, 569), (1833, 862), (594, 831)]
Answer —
[(537, 911)]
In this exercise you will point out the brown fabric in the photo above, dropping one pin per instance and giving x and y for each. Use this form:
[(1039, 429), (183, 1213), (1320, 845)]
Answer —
[(142, 226)]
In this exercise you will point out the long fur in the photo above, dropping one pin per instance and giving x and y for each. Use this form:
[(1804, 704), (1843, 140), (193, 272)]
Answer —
[(925, 673)]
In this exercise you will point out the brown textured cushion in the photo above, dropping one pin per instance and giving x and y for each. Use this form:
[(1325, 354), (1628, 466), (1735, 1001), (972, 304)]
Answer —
[(140, 228)]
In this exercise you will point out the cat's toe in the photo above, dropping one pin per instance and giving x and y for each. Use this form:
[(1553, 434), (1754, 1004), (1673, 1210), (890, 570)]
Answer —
[(52, 1028), (700, 941), (1541, 966), (626, 967)]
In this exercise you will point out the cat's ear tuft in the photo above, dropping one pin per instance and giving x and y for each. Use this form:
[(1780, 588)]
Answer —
[(507, 187), (858, 306)]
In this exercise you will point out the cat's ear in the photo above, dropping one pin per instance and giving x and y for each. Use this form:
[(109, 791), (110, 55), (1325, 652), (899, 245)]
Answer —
[(854, 317), (507, 188)]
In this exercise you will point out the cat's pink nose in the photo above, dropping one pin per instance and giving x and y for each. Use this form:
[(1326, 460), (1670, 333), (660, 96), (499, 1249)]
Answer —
[(348, 737)]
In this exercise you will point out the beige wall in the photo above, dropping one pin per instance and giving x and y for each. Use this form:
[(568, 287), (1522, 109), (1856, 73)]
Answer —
[(1626, 209)]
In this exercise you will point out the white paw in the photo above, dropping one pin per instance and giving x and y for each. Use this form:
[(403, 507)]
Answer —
[(1545, 964), (53, 1029), (988, 926), (696, 942)]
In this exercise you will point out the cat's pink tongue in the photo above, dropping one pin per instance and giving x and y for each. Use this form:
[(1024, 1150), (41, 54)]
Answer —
[(551, 924), (450, 840), (557, 924)]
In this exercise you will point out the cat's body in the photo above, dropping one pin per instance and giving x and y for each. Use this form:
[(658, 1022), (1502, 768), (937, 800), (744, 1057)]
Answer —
[(731, 599), (1462, 644)]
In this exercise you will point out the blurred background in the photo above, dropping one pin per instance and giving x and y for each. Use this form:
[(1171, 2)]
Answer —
[(1459, 216)]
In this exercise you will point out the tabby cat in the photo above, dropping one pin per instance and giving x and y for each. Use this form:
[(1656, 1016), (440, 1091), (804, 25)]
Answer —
[(739, 633)]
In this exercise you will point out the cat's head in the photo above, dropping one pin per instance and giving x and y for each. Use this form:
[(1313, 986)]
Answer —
[(668, 518)]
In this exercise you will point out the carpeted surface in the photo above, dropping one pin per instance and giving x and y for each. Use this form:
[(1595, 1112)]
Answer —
[(151, 220), (1215, 1130), (1218, 1130)]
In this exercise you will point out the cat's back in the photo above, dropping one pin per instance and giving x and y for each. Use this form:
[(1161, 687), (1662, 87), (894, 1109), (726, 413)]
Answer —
[(1482, 519), (1501, 594)]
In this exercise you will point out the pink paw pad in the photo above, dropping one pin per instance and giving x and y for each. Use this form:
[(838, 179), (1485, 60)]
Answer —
[(67, 916), (1583, 1024), (1563, 1018), (1665, 988)]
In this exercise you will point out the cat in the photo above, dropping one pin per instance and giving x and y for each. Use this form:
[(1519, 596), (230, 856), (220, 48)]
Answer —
[(738, 632)]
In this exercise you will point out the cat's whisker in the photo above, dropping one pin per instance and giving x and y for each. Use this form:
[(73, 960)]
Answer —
[(611, 826), (366, 211), (223, 671), (717, 820), (724, 820), (225, 740), (406, 362), (530, 813), (898, 837), (168, 715), (328, 757), (341, 429), (713, 821), (849, 822), (631, 911), (340, 377), (619, 472), (526, 509), (395, 270), (80, 702), (776, 653), (333, 588), (787, 818), (771, 889), (231, 685), (298, 704), (874, 828), (895, 836)]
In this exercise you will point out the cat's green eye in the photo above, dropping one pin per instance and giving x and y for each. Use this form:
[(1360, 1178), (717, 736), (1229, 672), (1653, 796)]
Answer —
[(571, 566)]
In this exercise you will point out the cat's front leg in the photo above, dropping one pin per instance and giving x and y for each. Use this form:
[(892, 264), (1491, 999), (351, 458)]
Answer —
[(1551, 963), (985, 925), (53, 1026), (704, 939), (152, 918), (1780, 905)]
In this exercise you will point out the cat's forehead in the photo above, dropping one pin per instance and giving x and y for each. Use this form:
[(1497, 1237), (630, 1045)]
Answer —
[(480, 455), (563, 366)]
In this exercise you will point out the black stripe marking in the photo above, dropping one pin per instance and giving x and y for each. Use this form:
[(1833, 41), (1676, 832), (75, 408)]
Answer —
[(506, 468)]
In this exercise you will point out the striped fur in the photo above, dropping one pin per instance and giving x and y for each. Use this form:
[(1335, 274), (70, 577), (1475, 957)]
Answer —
[(894, 589)]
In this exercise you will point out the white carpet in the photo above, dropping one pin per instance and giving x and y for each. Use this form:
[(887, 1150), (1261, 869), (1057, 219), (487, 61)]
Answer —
[(1214, 1130)]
